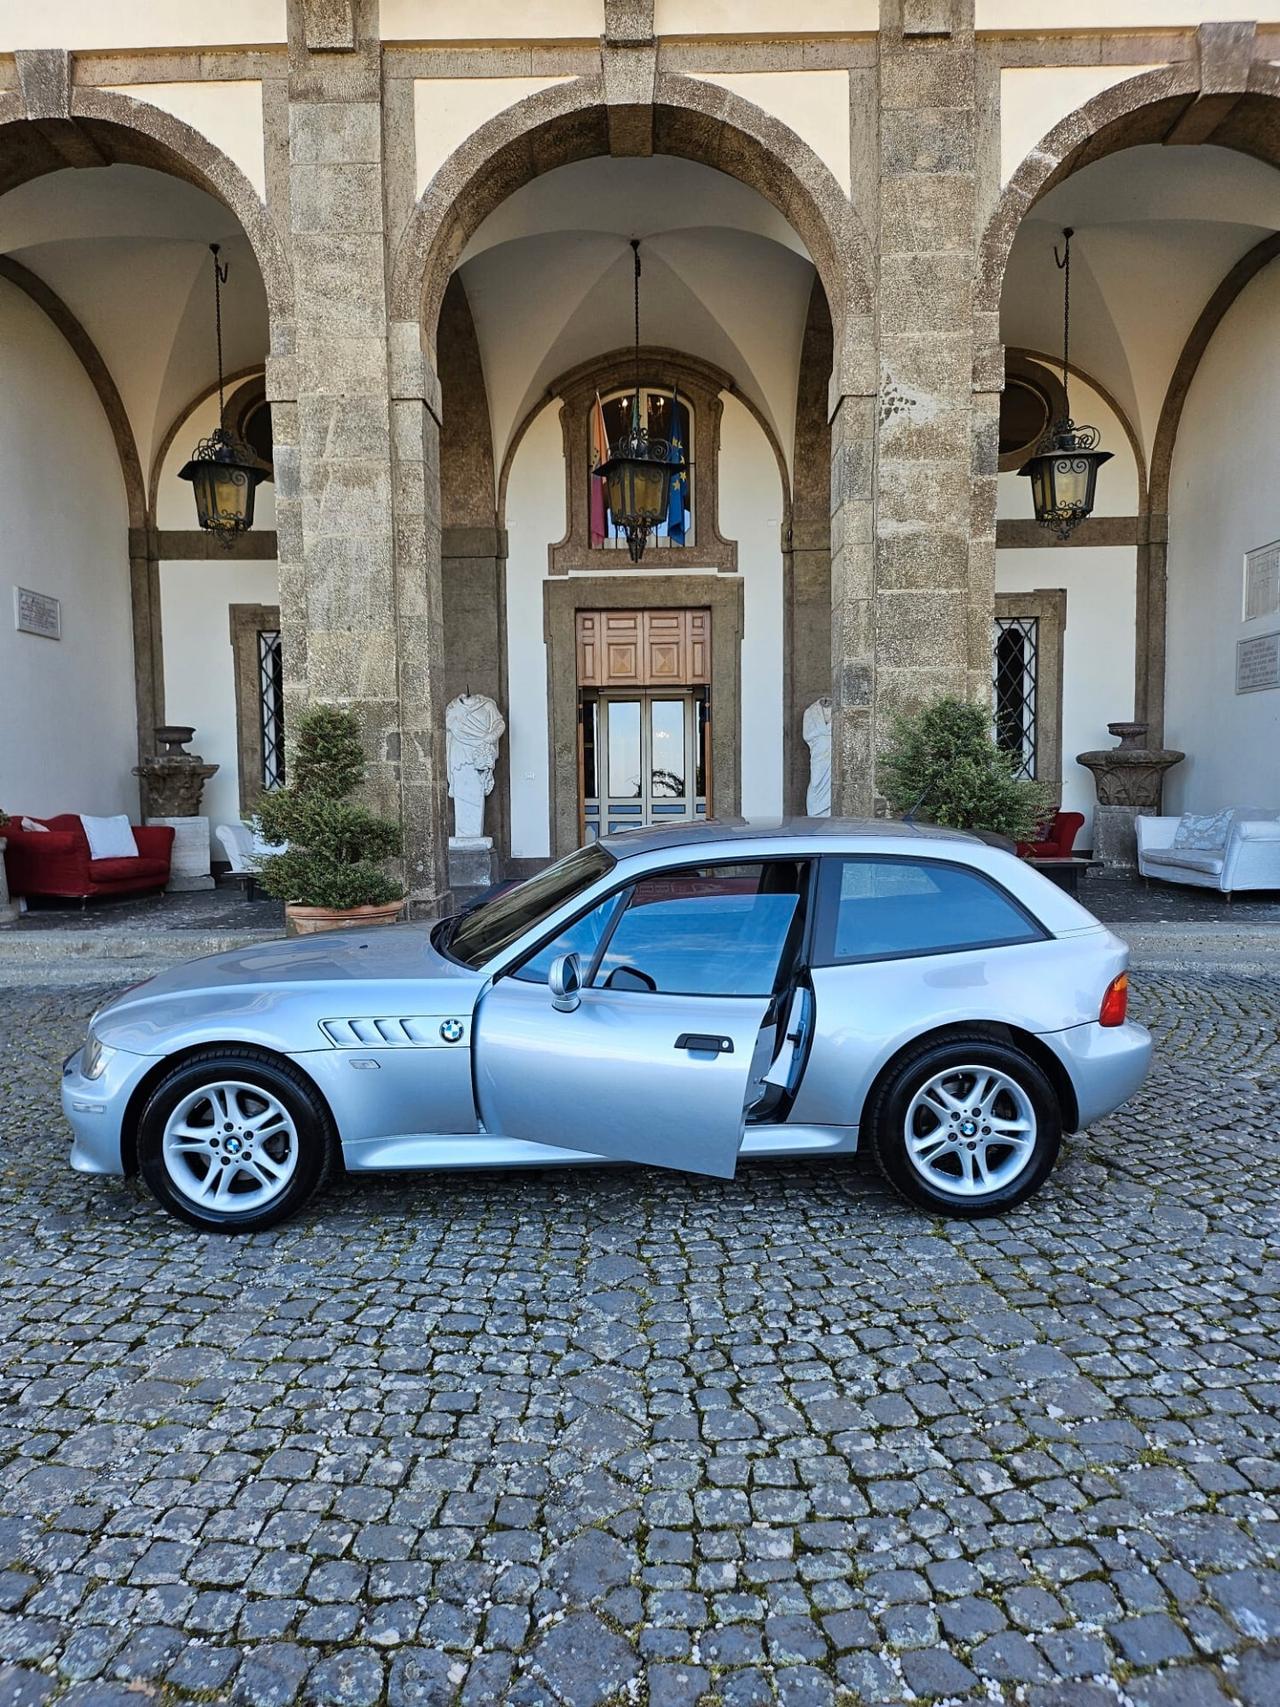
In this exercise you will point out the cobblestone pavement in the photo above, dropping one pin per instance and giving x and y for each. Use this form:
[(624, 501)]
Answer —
[(621, 1436)]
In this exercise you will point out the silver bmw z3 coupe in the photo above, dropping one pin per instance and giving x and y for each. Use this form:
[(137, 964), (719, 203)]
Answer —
[(680, 996)]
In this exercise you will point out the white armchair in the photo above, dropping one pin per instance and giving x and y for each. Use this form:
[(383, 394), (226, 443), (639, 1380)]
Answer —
[(1240, 851), (244, 848)]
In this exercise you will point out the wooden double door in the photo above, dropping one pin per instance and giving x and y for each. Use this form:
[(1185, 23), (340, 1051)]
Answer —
[(644, 718)]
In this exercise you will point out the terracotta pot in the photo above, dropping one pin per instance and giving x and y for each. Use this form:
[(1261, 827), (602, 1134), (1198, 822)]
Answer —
[(305, 921)]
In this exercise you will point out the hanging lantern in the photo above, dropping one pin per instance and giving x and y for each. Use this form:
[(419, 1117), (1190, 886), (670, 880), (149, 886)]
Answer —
[(223, 470), (637, 474), (1064, 469)]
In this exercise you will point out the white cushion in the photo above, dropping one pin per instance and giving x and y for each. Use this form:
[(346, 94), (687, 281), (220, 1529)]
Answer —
[(30, 824), (109, 838), (263, 849), (1184, 859), (1203, 833)]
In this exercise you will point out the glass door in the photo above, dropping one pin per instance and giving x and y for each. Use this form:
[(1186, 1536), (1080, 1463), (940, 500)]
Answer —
[(643, 758)]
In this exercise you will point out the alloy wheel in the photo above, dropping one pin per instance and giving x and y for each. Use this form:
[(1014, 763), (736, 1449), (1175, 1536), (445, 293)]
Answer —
[(970, 1131), (229, 1146)]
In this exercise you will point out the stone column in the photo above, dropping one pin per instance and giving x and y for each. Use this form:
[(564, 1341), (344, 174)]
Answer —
[(356, 585), (933, 556)]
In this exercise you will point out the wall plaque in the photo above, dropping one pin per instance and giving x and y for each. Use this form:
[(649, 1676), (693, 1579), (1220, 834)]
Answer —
[(1258, 663), (1262, 581), (37, 613)]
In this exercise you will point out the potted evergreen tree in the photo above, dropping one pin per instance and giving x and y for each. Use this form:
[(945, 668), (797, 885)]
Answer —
[(331, 874), (943, 762)]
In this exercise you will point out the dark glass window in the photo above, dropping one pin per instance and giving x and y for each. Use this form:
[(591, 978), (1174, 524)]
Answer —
[(884, 908), (582, 937), (486, 930), (707, 931)]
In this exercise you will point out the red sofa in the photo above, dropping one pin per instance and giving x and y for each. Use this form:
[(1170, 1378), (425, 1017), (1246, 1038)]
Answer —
[(1057, 838), (56, 863)]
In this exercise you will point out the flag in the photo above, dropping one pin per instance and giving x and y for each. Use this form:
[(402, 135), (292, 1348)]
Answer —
[(599, 454), (677, 511)]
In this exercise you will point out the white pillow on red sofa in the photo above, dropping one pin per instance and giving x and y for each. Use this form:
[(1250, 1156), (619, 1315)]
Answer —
[(32, 824), (110, 838)]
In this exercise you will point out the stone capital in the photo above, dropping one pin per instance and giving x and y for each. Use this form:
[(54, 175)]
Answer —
[(329, 26)]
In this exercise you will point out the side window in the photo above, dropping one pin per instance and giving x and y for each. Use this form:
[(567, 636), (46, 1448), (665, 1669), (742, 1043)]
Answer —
[(886, 908), (581, 937), (724, 930)]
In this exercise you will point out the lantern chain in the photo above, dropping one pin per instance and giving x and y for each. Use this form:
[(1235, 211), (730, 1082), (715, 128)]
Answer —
[(1064, 265), (635, 413), (219, 279)]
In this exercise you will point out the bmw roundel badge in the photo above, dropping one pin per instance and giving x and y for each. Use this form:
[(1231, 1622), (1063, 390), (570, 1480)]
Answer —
[(451, 1030)]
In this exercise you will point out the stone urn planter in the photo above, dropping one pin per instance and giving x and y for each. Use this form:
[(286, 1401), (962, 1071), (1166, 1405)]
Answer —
[(306, 921), (1129, 780), (172, 783)]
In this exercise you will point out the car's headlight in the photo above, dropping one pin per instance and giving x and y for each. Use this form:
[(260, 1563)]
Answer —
[(94, 1057)]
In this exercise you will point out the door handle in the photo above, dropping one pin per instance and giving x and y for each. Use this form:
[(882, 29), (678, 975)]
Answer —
[(705, 1043)]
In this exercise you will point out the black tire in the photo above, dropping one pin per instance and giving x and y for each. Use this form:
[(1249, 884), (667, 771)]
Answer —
[(885, 1124), (314, 1147)]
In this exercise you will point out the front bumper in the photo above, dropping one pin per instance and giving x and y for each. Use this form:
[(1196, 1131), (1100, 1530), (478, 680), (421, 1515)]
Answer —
[(1106, 1064), (95, 1109)]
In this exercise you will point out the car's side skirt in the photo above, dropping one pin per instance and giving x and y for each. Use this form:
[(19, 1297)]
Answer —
[(425, 1152)]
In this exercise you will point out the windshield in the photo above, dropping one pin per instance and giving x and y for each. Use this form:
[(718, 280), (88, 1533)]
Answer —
[(485, 931)]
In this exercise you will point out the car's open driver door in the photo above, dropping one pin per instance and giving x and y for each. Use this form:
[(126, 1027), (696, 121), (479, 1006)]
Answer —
[(634, 1075)]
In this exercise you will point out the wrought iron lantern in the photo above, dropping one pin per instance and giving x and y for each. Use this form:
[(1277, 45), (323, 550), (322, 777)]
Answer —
[(639, 469), (1064, 469), (223, 470)]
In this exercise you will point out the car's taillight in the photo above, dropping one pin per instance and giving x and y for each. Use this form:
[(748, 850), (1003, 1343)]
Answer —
[(1115, 1004)]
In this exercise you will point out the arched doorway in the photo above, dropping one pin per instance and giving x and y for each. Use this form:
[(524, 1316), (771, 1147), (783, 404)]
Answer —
[(107, 302), (1173, 197), (514, 169)]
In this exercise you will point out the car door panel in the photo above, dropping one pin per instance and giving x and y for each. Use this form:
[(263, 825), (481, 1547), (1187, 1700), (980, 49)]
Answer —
[(609, 1079)]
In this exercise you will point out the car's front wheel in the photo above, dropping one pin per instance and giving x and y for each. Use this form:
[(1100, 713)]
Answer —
[(966, 1126), (234, 1141)]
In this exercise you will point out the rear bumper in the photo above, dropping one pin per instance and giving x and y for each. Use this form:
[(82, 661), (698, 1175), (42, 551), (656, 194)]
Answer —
[(95, 1109), (1106, 1064)]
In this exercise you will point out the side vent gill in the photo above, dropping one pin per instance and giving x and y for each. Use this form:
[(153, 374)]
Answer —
[(397, 1033)]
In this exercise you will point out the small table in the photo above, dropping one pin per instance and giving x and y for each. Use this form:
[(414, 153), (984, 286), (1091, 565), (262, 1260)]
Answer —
[(1065, 869)]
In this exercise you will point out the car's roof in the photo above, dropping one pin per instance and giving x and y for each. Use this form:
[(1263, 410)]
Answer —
[(688, 832)]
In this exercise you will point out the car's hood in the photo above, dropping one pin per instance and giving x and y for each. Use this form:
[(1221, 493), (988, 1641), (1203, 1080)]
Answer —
[(275, 993)]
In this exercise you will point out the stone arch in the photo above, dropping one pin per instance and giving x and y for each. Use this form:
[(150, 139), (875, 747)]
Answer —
[(47, 125), (691, 119), (88, 355), (1219, 97)]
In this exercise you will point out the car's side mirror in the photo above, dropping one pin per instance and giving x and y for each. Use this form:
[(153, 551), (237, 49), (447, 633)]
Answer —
[(565, 981)]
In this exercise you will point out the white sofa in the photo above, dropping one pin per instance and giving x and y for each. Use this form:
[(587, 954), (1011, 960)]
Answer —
[(1238, 848)]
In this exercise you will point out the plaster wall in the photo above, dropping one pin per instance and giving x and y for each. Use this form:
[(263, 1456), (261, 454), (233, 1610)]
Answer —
[(491, 20), (751, 513), (814, 104), (535, 517), (199, 673), (83, 25), (1223, 501), (229, 114), (1101, 587), (66, 706), (1033, 99), (762, 17), (447, 110), (1119, 14)]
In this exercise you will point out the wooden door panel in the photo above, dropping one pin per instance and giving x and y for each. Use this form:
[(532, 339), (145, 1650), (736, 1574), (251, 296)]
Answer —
[(644, 648)]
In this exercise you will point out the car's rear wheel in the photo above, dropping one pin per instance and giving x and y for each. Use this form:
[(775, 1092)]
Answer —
[(966, 1126), (234, 1141)]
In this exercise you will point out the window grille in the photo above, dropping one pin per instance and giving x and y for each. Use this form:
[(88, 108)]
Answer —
[(271, 706), (1015, 654)]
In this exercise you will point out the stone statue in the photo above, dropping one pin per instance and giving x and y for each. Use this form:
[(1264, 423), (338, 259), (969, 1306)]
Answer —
[(816, 729), (473, 727)]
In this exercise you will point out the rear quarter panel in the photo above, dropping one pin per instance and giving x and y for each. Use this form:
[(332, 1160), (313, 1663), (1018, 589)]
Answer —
[(866, 1012)]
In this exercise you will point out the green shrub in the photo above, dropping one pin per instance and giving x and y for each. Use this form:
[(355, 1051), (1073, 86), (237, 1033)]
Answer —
[(335, 845), (943, 760)]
